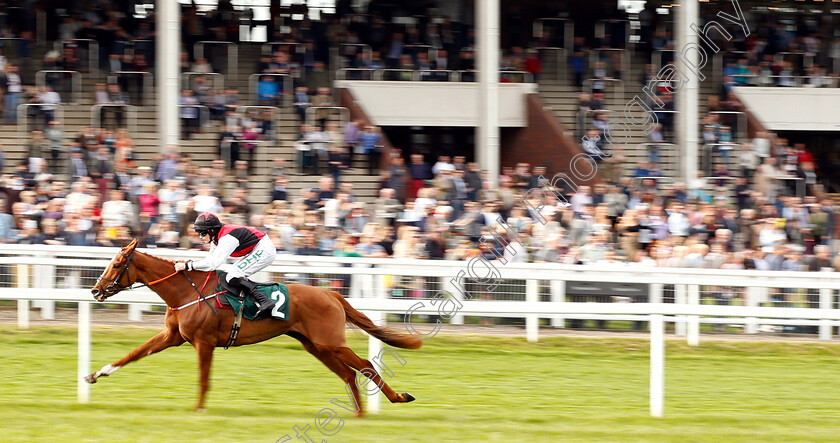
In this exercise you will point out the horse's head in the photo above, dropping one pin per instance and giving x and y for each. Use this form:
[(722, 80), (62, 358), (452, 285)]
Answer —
[(117, 275)]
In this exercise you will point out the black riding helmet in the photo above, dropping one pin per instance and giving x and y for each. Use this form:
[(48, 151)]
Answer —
[(208, 223)]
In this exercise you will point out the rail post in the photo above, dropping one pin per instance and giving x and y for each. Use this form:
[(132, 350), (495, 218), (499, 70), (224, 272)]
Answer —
[(44, 278), (23, 305), (532, 320), (457, 319), (825, 324), (558, 294), (693, 337), (680, 297), (657, 365), (751, 325), (84, 352), (374, 345)]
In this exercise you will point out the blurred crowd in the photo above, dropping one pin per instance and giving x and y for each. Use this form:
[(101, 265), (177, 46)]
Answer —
[(434, 210), (741, 212)]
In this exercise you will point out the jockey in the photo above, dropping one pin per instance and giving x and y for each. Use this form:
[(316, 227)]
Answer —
[(254, 250)]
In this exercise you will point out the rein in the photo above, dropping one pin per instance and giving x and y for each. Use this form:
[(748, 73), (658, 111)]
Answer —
[(197, 301), (116, 286), (160, 279), (200, 295)]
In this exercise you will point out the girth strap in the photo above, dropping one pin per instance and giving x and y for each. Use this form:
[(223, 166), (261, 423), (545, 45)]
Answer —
[(234, 331)]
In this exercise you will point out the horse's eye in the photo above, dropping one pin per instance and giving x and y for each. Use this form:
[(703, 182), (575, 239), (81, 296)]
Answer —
[(117, 266)]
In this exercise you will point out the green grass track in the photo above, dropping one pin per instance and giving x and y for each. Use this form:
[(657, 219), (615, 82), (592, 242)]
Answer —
[(468, 389)]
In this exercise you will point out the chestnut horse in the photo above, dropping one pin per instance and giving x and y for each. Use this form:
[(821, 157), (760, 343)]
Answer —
[(317, 320)]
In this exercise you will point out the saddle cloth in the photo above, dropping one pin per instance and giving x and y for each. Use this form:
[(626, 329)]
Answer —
[(277, 292)]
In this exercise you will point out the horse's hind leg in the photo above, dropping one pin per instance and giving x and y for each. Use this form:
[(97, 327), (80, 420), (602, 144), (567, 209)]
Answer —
[(350, 358), (334, 364)]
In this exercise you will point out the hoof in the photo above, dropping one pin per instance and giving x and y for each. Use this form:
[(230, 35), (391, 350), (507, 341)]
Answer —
[(359, 414), (408, 397), (90, 379)]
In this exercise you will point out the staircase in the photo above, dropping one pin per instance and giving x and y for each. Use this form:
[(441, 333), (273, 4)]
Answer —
[(561, 95)]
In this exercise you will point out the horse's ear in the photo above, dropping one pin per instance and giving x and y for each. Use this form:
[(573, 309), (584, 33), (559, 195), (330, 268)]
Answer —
[(132, 245)]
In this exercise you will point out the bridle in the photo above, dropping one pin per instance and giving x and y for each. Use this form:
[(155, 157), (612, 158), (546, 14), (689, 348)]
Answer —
[(115, 285)]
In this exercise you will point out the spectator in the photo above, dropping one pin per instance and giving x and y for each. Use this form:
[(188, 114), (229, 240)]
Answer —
[(443, 164), (367, 248), (386, 208), (279, 192), (591, 144), (322, 99), (435, 246), (138, 182), (13, 88), (55, 139), (761, 145), (170, 196), (336, 157), (302, 102), (202, 89), (49, 100), (7, 224), (229, 145), (149, 203), (189, 113), (325, 191), (399, 178), (250, 135), (821, 260), (268, 91), (167, 167), (117, 213), (370, 141), (793, 260), (352, 134), (37, 147), (78, 168), (357, 219), (279, 166), (206, 201), (313, 148), (202, 66), (765, 176), (101, 169)]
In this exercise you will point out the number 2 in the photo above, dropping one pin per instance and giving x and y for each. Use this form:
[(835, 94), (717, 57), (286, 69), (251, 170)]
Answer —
[(279, 299)]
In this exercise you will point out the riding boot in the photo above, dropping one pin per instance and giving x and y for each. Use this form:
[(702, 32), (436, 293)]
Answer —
[(234, 287), (264, 304)]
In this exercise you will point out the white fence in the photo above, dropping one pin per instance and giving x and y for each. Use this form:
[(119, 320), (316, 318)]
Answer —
[(33, 271)]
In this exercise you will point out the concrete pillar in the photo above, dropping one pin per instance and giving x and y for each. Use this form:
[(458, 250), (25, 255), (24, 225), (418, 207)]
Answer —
[(487, 132), (168, 51), (688, 120)]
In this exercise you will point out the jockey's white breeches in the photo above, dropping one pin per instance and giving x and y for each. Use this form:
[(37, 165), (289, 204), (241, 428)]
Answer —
[(258, 259)]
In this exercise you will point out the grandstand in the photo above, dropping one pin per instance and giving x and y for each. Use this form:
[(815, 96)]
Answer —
[(357, 90), (629, 170)]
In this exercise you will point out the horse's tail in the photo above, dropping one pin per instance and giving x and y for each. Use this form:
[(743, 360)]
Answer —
[(387, 335)]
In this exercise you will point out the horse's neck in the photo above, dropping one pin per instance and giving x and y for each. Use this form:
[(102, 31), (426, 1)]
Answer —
[(172, 290)]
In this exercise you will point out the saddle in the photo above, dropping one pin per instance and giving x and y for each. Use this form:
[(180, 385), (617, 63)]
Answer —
[(277, 292)]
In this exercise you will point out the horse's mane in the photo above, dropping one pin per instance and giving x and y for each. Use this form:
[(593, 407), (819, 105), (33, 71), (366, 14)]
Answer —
[(166, 260)]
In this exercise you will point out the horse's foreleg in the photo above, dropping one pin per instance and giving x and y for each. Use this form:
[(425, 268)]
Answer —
[(205, 358), (165, 339)]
